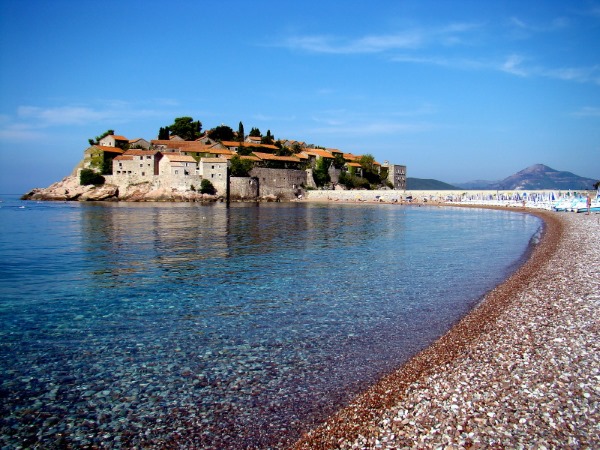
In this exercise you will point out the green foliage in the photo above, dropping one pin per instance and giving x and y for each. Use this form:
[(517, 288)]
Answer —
[(269, 139), (339, 161), (163, 134), (206, 187), (320, 173), (255, 132), (367, 162), (241, 167), (89, 176), (353, 182), (241, 132), (186, 128), (283, 151), (221, 133)]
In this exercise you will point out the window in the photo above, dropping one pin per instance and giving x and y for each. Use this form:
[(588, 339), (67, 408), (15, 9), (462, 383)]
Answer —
[(212, 175), (143, 174), (176, 172), (141, 165), (148, 157)]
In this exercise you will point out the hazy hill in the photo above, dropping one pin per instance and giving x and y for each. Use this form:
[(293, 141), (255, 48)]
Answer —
[(537, 176), (427, 184)]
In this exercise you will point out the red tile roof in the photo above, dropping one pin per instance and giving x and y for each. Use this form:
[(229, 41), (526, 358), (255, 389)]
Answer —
[(318, 152), (141, 152), (270, 157), (177, 157), (109, 149), (248, 144)]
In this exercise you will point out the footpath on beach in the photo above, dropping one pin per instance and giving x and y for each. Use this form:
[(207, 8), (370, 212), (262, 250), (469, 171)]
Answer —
[(522, 370)]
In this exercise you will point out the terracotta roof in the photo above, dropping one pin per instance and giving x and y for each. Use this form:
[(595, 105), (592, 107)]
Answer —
[(270, 157), (141, 152), (123, 158), (301, 155), (108, 149), (213, 160), (249, 157), (192, 146), (136, 139), (353, 164), (334, 150), (178, 157), (318, 152), (119, 138), (248, 144), (350, 157)]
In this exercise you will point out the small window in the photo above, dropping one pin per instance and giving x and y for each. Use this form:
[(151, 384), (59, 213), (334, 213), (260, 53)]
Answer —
[(143, 174), (148, 157), (212, 175), (176, 172), (141, 165)]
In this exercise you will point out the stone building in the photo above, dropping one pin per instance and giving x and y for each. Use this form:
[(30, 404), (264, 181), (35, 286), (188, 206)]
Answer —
[(396, 175), (215, 171), (114, 141), (136, 166)]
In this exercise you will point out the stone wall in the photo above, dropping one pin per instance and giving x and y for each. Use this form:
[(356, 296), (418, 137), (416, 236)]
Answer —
[(243, 188), (285, 184)]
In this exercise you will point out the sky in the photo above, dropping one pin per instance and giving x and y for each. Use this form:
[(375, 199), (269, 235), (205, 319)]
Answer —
[(456, 91)]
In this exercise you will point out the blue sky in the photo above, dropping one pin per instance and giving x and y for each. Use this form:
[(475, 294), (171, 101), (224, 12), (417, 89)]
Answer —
[(456, 91)]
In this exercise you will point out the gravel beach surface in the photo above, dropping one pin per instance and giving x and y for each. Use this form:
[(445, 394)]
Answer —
[(521, 371)]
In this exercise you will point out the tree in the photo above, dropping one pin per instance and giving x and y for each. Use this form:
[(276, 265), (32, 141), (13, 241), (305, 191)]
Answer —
[(268, 139), (221, 133), (255, 132), (186, 128), (320, 173), (163, 134), (339, 161), (367, 162), (240, 167), (206, 187), (241, 132), (89, 176)]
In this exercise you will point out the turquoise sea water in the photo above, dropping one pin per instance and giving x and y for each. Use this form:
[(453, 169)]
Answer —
[(207, 326)]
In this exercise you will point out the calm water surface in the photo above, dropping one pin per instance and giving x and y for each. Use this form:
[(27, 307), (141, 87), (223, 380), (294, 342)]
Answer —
[(179, 325)]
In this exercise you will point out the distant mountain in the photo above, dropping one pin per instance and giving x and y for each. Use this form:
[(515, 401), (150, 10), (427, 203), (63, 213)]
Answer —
[(537, 176), (427, 184)]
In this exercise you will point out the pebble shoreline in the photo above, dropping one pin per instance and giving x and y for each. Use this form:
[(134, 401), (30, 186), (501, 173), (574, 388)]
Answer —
[(522, 370)]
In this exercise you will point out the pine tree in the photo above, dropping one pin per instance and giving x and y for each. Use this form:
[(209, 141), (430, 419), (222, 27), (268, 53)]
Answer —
[(241, 132)]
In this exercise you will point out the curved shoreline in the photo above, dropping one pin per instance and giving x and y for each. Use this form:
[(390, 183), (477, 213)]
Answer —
[(406, 408)]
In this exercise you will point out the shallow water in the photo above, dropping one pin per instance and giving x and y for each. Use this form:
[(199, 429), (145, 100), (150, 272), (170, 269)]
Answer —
[(224, 327)]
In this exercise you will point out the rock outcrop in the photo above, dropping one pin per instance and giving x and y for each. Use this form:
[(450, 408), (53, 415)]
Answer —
[(69, 189)]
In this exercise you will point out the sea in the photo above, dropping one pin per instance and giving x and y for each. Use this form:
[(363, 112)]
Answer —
[(185, 325)]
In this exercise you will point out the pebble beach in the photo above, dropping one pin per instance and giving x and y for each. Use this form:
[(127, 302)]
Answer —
[(522, 370)]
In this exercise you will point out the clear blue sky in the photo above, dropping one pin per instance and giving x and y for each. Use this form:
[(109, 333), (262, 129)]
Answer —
[(456, 91)]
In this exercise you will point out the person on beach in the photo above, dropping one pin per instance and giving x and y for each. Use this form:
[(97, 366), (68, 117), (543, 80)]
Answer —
[(589, 204)]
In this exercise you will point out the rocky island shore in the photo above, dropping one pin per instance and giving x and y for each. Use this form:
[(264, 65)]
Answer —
[(70, 189), (521, 371)]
